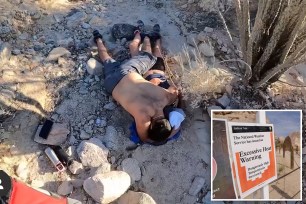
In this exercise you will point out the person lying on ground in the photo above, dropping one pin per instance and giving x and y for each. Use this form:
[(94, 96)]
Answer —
[(157, 75), (142, 99)]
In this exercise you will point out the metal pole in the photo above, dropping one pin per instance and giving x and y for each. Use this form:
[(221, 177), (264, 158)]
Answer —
[(261, 118)]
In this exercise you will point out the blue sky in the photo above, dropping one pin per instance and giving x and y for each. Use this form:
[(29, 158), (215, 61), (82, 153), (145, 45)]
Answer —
[(284, 122)]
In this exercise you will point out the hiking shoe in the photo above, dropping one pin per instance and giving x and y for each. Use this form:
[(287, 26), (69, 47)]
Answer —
[(140, 26), (97, 35), (156, 28)]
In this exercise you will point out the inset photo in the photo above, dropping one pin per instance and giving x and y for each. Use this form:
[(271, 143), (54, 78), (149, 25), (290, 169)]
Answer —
[(256, 155)]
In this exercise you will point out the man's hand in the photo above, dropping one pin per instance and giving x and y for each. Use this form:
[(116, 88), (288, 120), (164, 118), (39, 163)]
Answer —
[(180, 98), (173, 95)]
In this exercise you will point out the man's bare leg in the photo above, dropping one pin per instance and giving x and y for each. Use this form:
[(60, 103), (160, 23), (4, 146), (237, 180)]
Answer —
[(146, 46), (134, 45), (102, 51), (157, 49)]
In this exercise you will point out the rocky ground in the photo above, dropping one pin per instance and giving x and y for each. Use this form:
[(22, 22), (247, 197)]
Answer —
[(50, 69)]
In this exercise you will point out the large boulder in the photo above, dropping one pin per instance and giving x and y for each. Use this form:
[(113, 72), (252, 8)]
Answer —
[(123, 30), (132, 197), (92, 152), (94, 67), (57, 136), (57, 53), (107, 187)]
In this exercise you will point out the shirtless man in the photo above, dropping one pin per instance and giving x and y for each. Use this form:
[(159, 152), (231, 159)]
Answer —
[(142, 99)]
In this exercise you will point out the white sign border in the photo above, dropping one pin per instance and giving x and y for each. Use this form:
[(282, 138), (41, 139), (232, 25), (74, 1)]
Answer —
[(255, 188)]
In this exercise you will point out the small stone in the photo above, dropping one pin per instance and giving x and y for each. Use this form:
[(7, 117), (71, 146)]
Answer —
[(107, 187), (131, 166), (85, 25), (56, 53), (101, 122), (91, 122), (132, 197), (14, 150), (184, 6), (75, 167), (72, 140), (113, 160), (202, 37), (228, 89), (224, 100), (70, 151), (110, 106), (94, 67), (84, 135), (65, 188), (83, 90), (192, 40), (5, 52), (92, 152), (23, 36), (214, 71), (224, 49), (16, 52), (196, 186), (22, 171), (206, 50), (97, 78), (110, 139), (208, 29)]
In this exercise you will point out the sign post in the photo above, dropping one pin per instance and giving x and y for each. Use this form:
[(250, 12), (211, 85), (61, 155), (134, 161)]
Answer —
[(261, 119)]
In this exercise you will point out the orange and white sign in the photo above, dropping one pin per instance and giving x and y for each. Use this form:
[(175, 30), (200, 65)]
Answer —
[(253, 148)]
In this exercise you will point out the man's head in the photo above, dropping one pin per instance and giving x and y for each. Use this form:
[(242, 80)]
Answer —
[(160, 130)]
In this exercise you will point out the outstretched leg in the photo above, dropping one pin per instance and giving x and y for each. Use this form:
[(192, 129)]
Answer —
[(157, 49), (146, 46), (134, 45), (102, 51)]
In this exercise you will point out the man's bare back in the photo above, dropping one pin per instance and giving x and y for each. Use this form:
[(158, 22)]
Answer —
[(141, 98)]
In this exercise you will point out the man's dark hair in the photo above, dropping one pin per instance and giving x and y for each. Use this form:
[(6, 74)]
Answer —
[(159, 130)]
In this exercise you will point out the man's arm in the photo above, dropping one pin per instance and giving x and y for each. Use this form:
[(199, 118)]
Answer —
[(142, 127), (172, 94)]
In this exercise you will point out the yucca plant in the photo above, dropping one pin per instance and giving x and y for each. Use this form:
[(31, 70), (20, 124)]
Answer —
[(275, 42)]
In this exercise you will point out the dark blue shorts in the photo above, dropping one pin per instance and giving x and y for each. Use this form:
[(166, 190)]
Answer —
[(114, 71)]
